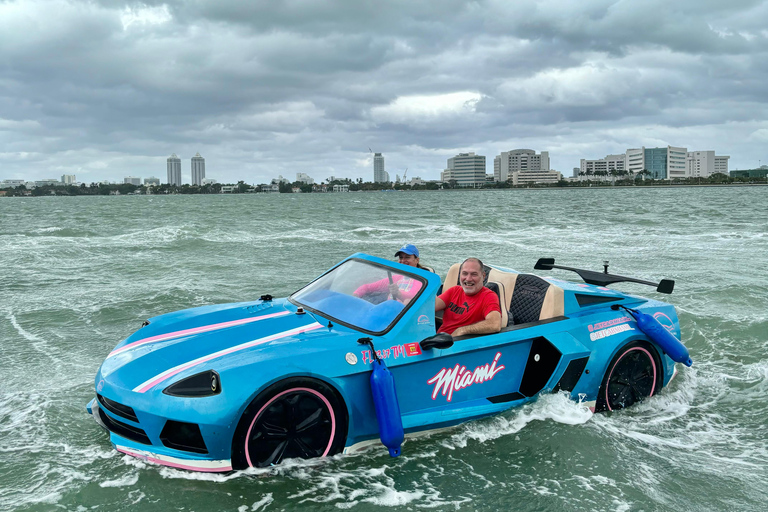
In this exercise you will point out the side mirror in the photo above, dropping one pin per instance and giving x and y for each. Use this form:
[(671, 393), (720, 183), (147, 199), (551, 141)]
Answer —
[(440, 340)]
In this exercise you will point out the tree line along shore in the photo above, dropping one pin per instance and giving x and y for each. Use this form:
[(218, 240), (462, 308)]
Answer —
[(101, 189)]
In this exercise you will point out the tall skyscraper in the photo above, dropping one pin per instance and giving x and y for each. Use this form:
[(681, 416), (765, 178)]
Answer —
[(198, 169), (174, 170), (379, 174)]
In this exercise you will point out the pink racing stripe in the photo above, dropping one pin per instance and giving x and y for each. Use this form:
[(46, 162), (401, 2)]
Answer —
[(150, 458), (149, 384), (195, 330)]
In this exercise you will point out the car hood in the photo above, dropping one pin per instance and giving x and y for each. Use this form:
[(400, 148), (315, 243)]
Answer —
[(186, 342)]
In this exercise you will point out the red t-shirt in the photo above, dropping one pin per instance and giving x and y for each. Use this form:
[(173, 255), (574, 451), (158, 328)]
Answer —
[(462, 309)]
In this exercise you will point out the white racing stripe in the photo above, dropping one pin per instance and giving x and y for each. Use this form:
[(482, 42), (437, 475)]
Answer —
[(152, 382), (194, 330)]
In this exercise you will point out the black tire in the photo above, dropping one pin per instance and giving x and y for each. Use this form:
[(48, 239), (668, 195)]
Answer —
[(633, 374), (293, 418)]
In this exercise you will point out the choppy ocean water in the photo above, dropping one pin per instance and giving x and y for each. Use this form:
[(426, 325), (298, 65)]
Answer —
[(79, 274)]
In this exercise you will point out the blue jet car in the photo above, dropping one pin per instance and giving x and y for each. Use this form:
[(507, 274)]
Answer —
[(224, 387)]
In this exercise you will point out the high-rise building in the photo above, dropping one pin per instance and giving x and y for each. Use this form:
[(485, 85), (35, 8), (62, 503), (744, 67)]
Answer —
[(152, 181), (466, 169), (198, 169), (379, 174), (132, 180), (519, 160), (702, 164), (663, 163), (174, 170), (68, 179)]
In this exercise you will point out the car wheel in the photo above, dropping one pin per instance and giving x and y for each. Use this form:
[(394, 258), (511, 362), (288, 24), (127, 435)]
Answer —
[(294, 418), (633, 374)]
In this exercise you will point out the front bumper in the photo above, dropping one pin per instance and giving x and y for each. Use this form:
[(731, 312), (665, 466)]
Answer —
[(150, 452)]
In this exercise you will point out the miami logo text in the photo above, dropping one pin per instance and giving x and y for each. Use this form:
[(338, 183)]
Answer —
[(459, 377)]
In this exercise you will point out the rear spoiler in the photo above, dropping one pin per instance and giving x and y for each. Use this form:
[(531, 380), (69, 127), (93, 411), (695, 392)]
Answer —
[(604, 278)]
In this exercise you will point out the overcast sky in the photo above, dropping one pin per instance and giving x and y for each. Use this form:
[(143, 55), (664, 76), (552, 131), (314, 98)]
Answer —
[(106, 89)]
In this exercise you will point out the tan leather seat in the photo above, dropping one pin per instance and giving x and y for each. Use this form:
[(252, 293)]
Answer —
[(535, 299), (522, 297)]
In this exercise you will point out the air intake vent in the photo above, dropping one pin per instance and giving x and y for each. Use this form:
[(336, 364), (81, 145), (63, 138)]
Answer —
[(590, 300), (123, 430), (183, 436), (116, 408)]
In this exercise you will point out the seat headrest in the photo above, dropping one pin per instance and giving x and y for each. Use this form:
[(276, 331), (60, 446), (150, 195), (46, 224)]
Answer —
[(535, 299)]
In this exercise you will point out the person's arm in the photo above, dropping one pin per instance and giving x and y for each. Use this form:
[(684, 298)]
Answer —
[(491, 324), (374, 287), (408, 293), (439, 304)]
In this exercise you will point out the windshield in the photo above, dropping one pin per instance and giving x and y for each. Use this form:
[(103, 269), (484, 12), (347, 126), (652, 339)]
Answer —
[(362, 295)]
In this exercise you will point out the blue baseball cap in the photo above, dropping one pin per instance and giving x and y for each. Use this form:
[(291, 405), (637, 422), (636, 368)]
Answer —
[(408, 249)]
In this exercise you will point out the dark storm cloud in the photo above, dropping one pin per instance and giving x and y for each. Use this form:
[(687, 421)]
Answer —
[(108, 89)]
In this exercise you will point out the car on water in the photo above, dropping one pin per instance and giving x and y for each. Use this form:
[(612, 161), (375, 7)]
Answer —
[(225, 387)]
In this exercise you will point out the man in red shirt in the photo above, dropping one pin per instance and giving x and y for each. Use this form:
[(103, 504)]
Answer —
[(470, 308)]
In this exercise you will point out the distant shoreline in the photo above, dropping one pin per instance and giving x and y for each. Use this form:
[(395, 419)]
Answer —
[(539, 187)]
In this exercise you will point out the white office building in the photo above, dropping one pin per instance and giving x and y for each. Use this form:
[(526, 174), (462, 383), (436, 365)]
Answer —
[(304, 178), (379, 174), (174, 170), (467, 170), (132, 180), (198, 169), (152, 181), (68, 179), (11, 183), (209, 181), (519, 160), (601, 169), (662, 163), (534, 177), (702, 164)]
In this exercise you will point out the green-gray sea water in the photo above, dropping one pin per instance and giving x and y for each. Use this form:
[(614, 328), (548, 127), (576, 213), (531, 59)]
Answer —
[(79, 274)]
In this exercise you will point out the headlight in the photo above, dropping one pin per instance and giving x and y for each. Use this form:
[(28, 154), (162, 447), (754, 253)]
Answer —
[(207, 383)]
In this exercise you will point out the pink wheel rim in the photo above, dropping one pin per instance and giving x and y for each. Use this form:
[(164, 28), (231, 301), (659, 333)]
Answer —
[(653, 365), (293, 390)]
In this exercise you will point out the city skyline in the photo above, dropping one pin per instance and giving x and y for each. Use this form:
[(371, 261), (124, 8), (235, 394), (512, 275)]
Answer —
[(469, 169), (311, 88)]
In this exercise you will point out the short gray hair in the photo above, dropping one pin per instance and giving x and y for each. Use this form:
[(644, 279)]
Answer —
[(476, 260)]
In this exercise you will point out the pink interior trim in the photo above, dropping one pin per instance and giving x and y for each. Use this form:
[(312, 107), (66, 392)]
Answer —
[(195, 330), (149, 384), (309, 390), (653, 363), (174, 464)]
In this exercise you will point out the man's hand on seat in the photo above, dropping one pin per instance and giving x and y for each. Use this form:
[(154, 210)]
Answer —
[(491, 324)]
